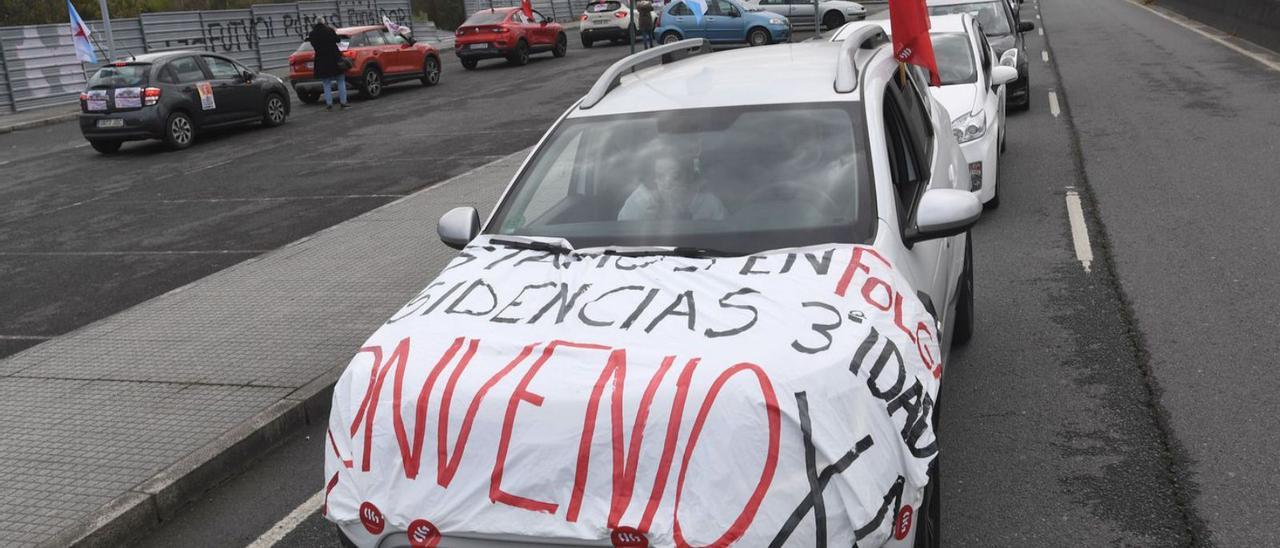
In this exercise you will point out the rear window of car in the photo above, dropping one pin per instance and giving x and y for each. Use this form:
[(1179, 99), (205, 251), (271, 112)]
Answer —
[(486, 18), (596, 7), (343, 42), (126, 76)]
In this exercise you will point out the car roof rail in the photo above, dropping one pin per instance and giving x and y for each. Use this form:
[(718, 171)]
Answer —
[(867, 38), (612, 76)]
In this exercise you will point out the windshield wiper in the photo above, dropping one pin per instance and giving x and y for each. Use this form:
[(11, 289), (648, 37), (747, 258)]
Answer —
[(678, 251), (532, 245)]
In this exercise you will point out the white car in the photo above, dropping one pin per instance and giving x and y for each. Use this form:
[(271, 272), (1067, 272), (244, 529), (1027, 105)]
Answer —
[(557, 385), (973, 90), (609, 20), (834, 12)]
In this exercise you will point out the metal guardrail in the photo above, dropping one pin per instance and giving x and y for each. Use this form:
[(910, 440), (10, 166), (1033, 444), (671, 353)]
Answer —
[(38, 66)]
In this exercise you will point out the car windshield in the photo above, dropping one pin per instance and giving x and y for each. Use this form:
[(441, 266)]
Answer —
[(991, 15), (343, 42), (955, 58), (735, 179), (603, 6), (120, 76), (486, 18)]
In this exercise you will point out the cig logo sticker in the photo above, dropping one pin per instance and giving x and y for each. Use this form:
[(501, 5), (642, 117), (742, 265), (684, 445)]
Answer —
[(423, 534), (628, 537), (903, 525), (372, 518)]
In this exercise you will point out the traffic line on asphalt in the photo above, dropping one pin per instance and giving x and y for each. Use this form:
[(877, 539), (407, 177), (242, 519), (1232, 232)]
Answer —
[(114, 253), (290, 522), (1041, 31), (210, 166), (1053, 104), (25, 337), (1044, 55), (1079, 231), (1269, 63)]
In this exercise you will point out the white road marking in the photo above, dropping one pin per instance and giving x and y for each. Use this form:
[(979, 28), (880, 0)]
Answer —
[(25, 337), (1079, 232), (1037, 16), (122, 253), (1041, 31), (290, 522), (1269, 63), (1053, 104), (210, 166), (1045, 56)]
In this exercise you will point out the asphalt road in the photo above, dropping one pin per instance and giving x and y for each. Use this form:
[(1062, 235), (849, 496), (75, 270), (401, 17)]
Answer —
[(1125, 401)]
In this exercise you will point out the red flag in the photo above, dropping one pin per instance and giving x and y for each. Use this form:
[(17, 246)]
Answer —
[(909, 20), (527, 7)]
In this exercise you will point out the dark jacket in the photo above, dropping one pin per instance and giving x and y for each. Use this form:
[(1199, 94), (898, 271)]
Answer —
[(325, 43), (644, 15)]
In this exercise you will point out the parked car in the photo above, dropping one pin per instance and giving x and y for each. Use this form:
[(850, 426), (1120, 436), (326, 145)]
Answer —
[(834, 12), (726, 22), (605, 20), (507, 33), (174, 95), (378, 58), (590, 266), (1004, 31), (972, 90)]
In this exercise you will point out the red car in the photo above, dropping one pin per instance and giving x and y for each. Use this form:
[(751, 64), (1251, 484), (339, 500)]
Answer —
[(506, 32), (378, 58)]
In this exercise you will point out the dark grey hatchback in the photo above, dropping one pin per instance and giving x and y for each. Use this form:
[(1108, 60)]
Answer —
[(173, 95)]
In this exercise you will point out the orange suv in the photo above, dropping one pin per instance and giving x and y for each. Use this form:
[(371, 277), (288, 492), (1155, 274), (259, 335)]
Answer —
[(378, 58)]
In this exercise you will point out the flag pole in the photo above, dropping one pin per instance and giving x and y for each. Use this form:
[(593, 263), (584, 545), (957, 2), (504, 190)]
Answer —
[(106, 25)]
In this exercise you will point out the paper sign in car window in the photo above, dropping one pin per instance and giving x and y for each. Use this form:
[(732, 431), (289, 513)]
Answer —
[(205, 89), (97, 100), (128, 97)]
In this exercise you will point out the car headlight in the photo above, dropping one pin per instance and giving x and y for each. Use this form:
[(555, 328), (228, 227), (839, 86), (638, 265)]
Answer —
[(969, 127), (777, 21), (1009, 58)]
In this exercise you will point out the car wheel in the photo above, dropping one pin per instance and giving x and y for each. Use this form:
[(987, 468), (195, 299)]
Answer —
[(521, 56), (1025, 105), (275, 112), (562, 45), (586, 42), (758, 37), (371, 87), (964, 306), (670, 37), (832, 20), (469, 64), (179, 131), (430, 71), (308, 97), (106, 147)]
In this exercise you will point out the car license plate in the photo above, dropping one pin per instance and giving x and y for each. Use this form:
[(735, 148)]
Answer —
[(478, 46), (309, 65), (111, 122)]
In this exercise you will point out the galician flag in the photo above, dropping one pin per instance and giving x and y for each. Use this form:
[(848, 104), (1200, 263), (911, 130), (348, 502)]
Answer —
[(699, 8), (80, 37), (392, 27)]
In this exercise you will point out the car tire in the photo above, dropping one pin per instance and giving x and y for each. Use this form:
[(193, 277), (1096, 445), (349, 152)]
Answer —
[(308, 97), (469, 64), (832, 20), (520, 56), (964, 304), (106, 147), (928, 518), (758, 37), (430, 71), (342, 538), (275, 112), (670, 37), (1025, 105), (371, 83), (179, 131), (561, 47), (586, 42)]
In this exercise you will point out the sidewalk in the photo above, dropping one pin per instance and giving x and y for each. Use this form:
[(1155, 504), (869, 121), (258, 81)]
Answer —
[(113, 427)]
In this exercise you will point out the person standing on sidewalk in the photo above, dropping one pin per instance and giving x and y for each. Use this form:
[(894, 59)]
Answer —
[(324, 41), (645, 21)]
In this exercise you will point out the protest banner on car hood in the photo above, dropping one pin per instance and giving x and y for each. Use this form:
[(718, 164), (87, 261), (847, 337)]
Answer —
[(774, 399)]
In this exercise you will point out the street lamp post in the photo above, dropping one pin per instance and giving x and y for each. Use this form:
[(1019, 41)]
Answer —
[(106, 25)]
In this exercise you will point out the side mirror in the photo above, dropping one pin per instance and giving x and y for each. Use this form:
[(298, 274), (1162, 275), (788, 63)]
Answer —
[(458, 227), (247, 76), (544, 22), (944, 212), (1026, 26), (1001, 75)]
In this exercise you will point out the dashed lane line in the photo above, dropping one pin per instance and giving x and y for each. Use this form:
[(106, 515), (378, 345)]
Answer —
[(290, 522), (1041, 31), (1079, 231), (1269, 63), (1053, 104), (1044, 55)]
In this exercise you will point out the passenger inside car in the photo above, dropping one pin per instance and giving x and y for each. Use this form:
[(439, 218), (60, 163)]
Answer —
[(672, 191)]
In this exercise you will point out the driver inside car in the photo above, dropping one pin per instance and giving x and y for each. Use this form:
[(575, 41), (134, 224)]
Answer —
[(672, 192)]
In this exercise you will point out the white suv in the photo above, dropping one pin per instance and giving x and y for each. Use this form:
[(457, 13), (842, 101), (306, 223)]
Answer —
[(607, 20)]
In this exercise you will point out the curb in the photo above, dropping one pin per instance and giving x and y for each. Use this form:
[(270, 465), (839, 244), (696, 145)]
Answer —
[(40, 122)]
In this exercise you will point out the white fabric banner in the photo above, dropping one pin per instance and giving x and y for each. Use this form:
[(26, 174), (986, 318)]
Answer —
[(769, 400)]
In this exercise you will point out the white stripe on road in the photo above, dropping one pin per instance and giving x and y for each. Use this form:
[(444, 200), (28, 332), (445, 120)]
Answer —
[(1053, 104), (1045, 56), (1079, 232), (290, 522), (1041, 31), (1269, 63)]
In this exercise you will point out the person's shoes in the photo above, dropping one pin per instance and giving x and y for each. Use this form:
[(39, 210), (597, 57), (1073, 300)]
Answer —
[(328, 108), (345, 106)]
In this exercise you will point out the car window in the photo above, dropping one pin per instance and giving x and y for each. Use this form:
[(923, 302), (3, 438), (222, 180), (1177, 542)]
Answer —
[(538, 17), (955, 58), (721, 7), (701, 178), (113, 76), (486, 17), (993, 15), (916, 114), (680, 9), (221, 69), (187, 70), (375, 38), (359, 40), (599, 7), (904, 156), (394, 39)]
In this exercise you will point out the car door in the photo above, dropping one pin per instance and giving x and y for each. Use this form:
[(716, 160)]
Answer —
[(405, 58), (725, 22), (542, 26), (235, 97), (191, 79), (375, 46), (801, 11), (681, 16)]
